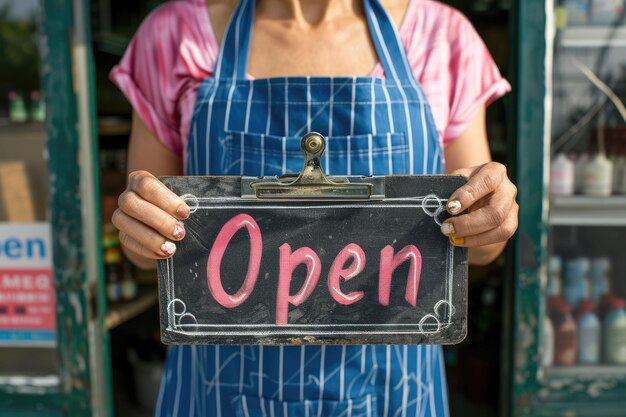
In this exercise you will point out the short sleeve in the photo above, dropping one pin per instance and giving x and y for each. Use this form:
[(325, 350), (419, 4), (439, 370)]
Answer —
[(162, 67), (475, 80)]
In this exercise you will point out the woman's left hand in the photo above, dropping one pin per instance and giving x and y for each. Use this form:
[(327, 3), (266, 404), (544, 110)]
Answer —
[(489, 198)]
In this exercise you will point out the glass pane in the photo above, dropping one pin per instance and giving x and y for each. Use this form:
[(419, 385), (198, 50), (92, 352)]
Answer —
[(27, 303), (585, 323)]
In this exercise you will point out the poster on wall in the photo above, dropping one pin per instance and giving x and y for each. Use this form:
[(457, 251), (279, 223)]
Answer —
[(27, 303)]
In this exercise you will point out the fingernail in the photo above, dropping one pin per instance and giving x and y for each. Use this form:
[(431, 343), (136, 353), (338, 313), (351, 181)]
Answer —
[(457, 240), (183, 212), (168, 248), (447, 229), (179, 231), (454, 206)]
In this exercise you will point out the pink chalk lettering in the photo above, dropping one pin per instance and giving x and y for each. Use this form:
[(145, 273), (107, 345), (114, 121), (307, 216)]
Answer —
[(217, 253), (389, 262), (288, 263), (351, 253)]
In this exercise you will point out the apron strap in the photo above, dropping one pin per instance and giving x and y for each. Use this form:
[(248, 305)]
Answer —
[(232, 62), (388, 44)]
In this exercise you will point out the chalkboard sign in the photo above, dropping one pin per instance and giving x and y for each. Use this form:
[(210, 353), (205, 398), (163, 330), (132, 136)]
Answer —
[(314, 260), (314, 272)]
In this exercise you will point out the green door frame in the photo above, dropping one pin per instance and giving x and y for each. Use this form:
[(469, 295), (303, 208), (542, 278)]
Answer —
[(82, 341), (530, 83), (534, 393)]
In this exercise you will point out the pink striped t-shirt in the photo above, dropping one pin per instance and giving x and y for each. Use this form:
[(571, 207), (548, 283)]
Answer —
[(175, 49)]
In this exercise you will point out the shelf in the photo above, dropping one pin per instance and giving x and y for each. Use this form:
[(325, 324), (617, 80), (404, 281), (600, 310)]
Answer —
[(588, 211), (113, 126), (586, 371), (591, 37), (32, 382), (119, 313), (28, 129)]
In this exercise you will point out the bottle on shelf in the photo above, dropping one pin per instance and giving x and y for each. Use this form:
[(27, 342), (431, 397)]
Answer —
[(112, 261), (589, 333), (615, 333), (575, 282), (605, 12), (555, 268), (598, 176), (548, 342), (562, 175), (37, 107), (114, 289), (128, 284), (17, 108), (577, 12), (560, 14), (565, 330), (599, 277), (110, 236)]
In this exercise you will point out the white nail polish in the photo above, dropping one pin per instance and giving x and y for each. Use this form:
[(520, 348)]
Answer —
[(454, 206), (179, 231), (168, 248), (447, 229)]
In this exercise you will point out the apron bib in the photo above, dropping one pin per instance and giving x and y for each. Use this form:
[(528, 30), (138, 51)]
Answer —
[(373, 126)]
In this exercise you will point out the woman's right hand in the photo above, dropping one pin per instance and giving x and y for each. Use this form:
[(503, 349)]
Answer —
[(148, 217)]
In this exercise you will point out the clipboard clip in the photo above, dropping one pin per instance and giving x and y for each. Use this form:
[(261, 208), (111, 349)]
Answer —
[(311, 183)]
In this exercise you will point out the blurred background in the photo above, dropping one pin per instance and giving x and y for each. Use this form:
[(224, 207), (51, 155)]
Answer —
[(79, 330)]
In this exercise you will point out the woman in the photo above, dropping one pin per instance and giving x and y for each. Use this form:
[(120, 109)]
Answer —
[(401, 81)]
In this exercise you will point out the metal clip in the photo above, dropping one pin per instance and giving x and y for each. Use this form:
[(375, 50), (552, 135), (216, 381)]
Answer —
[(312, 183)]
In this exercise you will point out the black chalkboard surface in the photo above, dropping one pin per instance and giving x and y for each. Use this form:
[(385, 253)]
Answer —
[(255, 271)]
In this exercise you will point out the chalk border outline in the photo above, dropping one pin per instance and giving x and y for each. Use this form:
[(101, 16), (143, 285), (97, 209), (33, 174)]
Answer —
[(421, 328)]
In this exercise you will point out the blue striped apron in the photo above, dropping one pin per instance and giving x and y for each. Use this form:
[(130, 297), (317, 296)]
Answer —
[(373, 126)]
